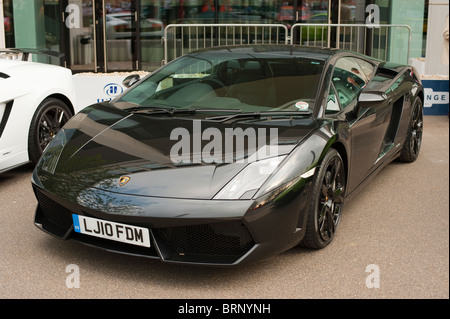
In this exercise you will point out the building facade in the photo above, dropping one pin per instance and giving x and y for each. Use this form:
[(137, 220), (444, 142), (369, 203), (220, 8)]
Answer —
[(126, 35)]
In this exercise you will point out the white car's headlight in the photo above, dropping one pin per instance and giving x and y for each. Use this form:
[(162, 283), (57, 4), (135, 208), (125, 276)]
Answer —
[(247, 182)]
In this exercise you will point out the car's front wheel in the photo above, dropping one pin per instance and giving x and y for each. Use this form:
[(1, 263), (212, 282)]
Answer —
[(49, 118), (326, 201)]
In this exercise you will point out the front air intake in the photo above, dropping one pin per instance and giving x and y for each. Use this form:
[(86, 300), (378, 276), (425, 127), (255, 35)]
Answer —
[(53, 217), (223, 242)]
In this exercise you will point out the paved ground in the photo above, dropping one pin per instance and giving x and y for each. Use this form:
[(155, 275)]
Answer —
[(396, 231)]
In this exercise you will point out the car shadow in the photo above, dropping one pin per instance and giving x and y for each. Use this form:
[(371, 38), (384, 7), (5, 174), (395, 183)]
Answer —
[(152, 272), (16, 173)]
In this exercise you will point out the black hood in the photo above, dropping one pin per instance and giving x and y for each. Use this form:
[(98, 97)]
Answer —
[(104, 143)]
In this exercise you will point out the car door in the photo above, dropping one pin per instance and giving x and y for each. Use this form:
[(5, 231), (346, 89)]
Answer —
[(366, 130)]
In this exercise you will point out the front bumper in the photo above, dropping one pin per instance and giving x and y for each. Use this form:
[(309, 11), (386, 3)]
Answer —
[(207, 232)]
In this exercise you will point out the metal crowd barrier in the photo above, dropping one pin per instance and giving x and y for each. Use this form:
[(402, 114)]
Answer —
[(385, 41), (180, 39), (373, 41)]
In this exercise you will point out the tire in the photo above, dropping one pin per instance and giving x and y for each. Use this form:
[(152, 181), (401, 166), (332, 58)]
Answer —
[(326, 202), (49, 118), (411, 146)]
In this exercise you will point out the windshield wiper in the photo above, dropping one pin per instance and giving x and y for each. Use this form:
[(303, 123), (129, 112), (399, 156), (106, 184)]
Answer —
[(149, 110), (236, 114), (152, 110), (256, 115)]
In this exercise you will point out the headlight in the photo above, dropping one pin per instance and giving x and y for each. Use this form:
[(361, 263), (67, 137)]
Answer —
[(247, 182), (52, 152)]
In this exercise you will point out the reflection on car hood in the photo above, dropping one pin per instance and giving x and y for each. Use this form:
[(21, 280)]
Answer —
[(104, 144)]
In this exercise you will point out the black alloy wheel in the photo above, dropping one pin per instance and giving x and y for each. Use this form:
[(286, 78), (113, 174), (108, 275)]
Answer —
[(49, 118), (327, 200), (413, 142)]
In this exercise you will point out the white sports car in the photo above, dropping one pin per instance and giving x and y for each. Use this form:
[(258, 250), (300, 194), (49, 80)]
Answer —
[(36, 100)]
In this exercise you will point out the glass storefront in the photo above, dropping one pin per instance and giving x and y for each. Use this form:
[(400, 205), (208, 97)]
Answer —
[(81, 36), (8, 21), (44, 16), (126, 35)]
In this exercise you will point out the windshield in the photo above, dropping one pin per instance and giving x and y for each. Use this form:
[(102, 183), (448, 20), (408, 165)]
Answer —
[(244, 82)]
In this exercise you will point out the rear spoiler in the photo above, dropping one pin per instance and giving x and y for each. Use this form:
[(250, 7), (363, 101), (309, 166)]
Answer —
[(26, 53)]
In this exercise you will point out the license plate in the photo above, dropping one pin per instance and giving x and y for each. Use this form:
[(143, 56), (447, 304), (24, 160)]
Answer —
[(110, 230)]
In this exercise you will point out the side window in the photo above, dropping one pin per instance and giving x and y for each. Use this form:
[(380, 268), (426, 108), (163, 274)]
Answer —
[(367, 68), (348, 80), (332, 102)]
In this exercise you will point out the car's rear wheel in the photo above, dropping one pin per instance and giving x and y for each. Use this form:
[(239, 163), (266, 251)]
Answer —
[(49, 118), (413, 142), (326, 201)]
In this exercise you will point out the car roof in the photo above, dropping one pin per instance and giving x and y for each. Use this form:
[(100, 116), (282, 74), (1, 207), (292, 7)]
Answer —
[(281, 50)]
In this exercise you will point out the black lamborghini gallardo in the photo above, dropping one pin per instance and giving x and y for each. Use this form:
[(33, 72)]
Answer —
[(228, 155)]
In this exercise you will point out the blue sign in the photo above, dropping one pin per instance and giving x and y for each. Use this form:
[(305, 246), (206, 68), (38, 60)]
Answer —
[(436, 97), (112, 89)]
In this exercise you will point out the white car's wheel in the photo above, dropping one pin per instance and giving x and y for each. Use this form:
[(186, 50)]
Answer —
[(49, 118)]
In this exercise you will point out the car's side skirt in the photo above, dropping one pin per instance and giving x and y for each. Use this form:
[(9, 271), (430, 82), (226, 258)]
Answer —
[(383, 163)]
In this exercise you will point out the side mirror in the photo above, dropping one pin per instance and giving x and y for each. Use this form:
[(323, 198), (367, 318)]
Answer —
[(130, 80), (368, 99), (372, 97)]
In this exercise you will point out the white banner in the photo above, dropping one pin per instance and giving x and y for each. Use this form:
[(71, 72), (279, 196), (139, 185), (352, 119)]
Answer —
[(96, 88)]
